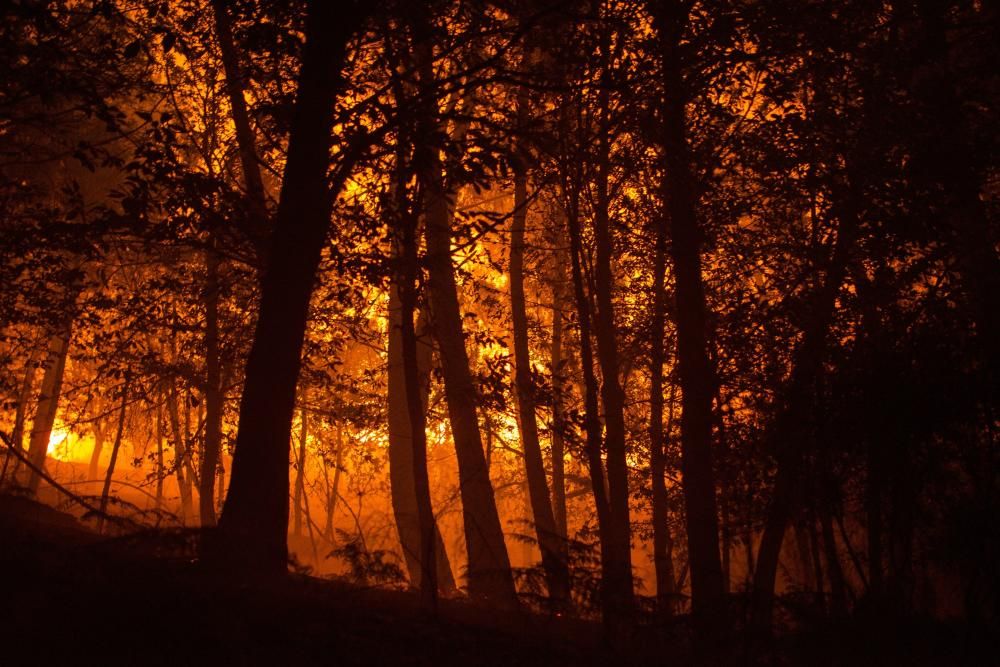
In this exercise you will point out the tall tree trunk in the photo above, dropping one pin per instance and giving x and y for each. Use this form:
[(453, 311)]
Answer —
[(549, 542), (834, 569), (696, 374), (558, 415), (252, 531), (662, 539), (401, 447), (612, 395), (952, 162), (489, 566), (489, 573), (428, 536), (592, 424), (788, 433), (213, 391), (48, 405)]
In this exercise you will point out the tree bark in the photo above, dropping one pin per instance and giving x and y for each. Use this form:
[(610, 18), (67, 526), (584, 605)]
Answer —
[(695, 370), (213, 391), (300, 467), (787, 435), (558, 415), (401, 448), (610, 603), (489, 566), (612, 395), (159, 457), (489, 573), (95, 455), (252, 532), (48, 405), (180, 454), (114, 456), (662, 539), (23, 396), (245, 141), (552, 547)]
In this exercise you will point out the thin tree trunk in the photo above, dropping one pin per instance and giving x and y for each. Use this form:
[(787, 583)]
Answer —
[(17, 433), (241, 121), (549, 542), (428, 536), (818, 577), (787, 435), (114, 456), (159, 457), (804, 556), (23, 396), (662, 539), (489, 566), (180, 454), (612, 395), (558, 416), (335, 490), (595, 466), (48, 405), (252, 531), (213, 392), (300, 467), (835, 572), (696, 374), (401, 473)]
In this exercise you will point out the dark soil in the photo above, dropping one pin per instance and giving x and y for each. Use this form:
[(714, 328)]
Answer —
[(68, 596)]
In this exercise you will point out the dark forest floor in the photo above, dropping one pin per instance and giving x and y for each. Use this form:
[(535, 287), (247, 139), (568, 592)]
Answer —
[(70, 597)]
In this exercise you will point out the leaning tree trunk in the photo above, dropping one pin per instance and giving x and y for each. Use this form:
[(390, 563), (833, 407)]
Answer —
[(252, 532), (48, 405), (489, 574), (489, 565), (551, 545), (401, 469), (694, 366)]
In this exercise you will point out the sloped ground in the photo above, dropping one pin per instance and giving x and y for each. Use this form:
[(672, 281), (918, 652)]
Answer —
[(68, 596)]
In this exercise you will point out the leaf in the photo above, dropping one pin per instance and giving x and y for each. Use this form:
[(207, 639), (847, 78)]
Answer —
[(132, 50)]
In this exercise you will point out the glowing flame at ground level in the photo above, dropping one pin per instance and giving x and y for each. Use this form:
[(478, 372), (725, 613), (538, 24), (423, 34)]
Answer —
[(64, 445)]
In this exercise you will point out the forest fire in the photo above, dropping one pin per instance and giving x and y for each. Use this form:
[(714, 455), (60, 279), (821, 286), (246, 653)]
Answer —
[(667, 327)]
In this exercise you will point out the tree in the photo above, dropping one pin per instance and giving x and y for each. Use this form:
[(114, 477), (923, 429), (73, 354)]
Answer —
[(254, 521)]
